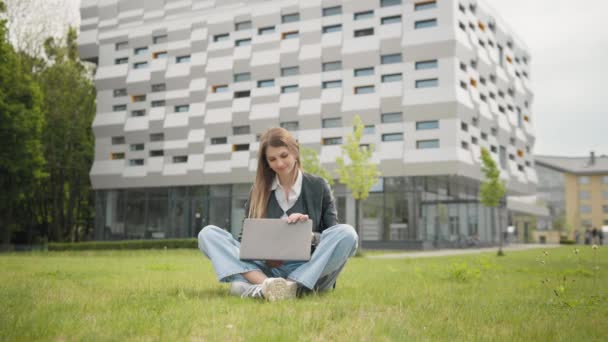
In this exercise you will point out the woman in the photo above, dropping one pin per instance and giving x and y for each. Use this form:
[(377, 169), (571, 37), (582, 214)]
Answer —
[(282, 190)]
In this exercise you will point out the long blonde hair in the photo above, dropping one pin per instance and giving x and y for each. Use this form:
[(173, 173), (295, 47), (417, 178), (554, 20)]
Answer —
[(275, 137)]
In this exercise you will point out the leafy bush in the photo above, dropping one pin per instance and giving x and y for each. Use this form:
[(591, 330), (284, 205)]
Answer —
[(566, 241), (124, 244)]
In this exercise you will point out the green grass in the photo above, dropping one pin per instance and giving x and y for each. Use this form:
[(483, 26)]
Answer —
[(173, 295)]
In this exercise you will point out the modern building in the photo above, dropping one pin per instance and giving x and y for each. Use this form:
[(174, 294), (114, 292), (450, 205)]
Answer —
[(575, 190), (185, 88)]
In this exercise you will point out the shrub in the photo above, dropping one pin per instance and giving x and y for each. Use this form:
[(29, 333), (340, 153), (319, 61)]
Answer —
[(124, 244)]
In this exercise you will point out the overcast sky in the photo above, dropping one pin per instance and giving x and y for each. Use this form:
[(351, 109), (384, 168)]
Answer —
[(568, 42)]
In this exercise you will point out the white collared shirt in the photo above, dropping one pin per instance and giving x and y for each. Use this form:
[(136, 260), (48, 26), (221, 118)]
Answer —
[(294, 193)]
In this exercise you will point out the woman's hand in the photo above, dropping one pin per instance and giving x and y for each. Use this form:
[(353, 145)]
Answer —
[(297, 217)]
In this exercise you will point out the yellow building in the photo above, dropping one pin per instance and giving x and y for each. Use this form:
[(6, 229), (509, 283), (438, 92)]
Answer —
[(575, 190)]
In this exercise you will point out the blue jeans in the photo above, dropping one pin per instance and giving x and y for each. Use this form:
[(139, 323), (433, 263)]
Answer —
[(337, 244)]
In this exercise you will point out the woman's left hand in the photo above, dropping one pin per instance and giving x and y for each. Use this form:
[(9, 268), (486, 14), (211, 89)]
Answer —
[(297, 217)]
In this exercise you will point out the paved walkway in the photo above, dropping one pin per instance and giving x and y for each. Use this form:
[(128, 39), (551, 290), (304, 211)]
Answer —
[(448, 252)]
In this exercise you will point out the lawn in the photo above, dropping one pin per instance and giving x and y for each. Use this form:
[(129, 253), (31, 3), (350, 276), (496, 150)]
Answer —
[(173, 295)]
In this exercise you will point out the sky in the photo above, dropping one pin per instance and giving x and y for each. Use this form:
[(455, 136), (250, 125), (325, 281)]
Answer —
[(568, 43)]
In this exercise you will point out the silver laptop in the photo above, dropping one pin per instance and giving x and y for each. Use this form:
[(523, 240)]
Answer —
[(275, 239)]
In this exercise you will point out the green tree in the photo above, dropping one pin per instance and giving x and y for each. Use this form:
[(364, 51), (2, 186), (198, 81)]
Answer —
[(356, 169), (492, 189), (310, 163), (21, 126)]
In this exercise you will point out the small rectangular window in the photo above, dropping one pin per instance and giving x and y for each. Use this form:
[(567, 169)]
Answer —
[(464, 127), (390, 20), (240, 147), (119, 108), (421, 6), (160, 39), (424, 125), (391, 78), (585, 209), (157, 153), (157, 136), (121, 46), (329, 11), (424, 144), (221, 37), (136, 147), (138, 112), (265, 83), (180, 159), (266, 30), (363, 15), (364, 32), (332, 141), (289, 89), (290, 18), (290, 71), (123, 60), (140, 50), (243, 25), (391, 59), (421, 24), (242, 42), (138, 98), (118, 140), (583, 180), (120, 92), (369, 129), (242, 77), (364, 72), (364, 89), (117, 156), (140, 65), (484, 136), (392, 137), (332, 123), (464, 145), (290, 125), (332, 28), (290, 35), (181, 108), (332, 84), (331, 66), (430, 64), (182, 59), (219, 141), (427, 83), (386, 3), (239, 130), (155, 88), (158, 103), (219, 88), (242, 94), (391, 117)]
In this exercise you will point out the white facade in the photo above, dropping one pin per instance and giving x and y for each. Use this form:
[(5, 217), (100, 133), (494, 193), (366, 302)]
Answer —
[(184, 87)]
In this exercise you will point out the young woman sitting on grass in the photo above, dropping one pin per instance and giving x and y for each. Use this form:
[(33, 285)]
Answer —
[(283, 190)]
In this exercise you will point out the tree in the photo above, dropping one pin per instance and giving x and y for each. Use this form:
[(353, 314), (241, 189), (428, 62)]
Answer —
[(492, 190), (355, 168), (310, 163), (21, 126)]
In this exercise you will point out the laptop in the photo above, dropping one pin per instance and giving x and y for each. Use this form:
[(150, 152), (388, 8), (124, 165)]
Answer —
[(275, 239)]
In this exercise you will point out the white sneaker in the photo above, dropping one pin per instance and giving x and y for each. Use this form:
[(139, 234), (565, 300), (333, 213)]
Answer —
[(237, 288), (275, 289)]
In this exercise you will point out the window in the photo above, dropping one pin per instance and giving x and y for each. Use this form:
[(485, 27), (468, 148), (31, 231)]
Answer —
[(121, 46), (390, 20), (290, 18), (464, 145), (118, 140), (180, 159), (427, 83), (158, 87), (332, 141), (159, 39), (243, 25), (290, 35), (138, 98), (430, 64), (364, 32), (484, 136), (474, 140), (424, 144), (181, 108), (140, 65), (242, 42), (363, 15), (421, 6), (584, 195), (392, 137), (464, 127), (138, 112), (494, 131), (332, 123), (157, 153), (242, 94), (119, 108), (123, 60), (240, 147), (158, 103), (120, 92), (117, 156), (424, 125), (242, 77), (332, 28), (332, 84), (364, 89), (290, 125), (329, 11), (331, 66), (364, 72), (265, 83), (604, 179), (585, 209), (157, 136), (583, 180), (391, 78), (605, 209), (219, 88), (238, 130), (182, 59), (136, 147), (391, 59), (391, 117), (219, 141), (290, 71), (140, 50), (289, 89), (483, 97), (463, 84), (160, 54), (420, 24), (266, 30), (221, 37), (386, 3), (369, 129), (605, 194), (493, 149)]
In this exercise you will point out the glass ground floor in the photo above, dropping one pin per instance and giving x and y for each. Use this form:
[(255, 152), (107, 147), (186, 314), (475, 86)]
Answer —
[(400, 212)]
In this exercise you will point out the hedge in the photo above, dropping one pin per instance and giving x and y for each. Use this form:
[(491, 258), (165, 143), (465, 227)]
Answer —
[(123, 244)]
